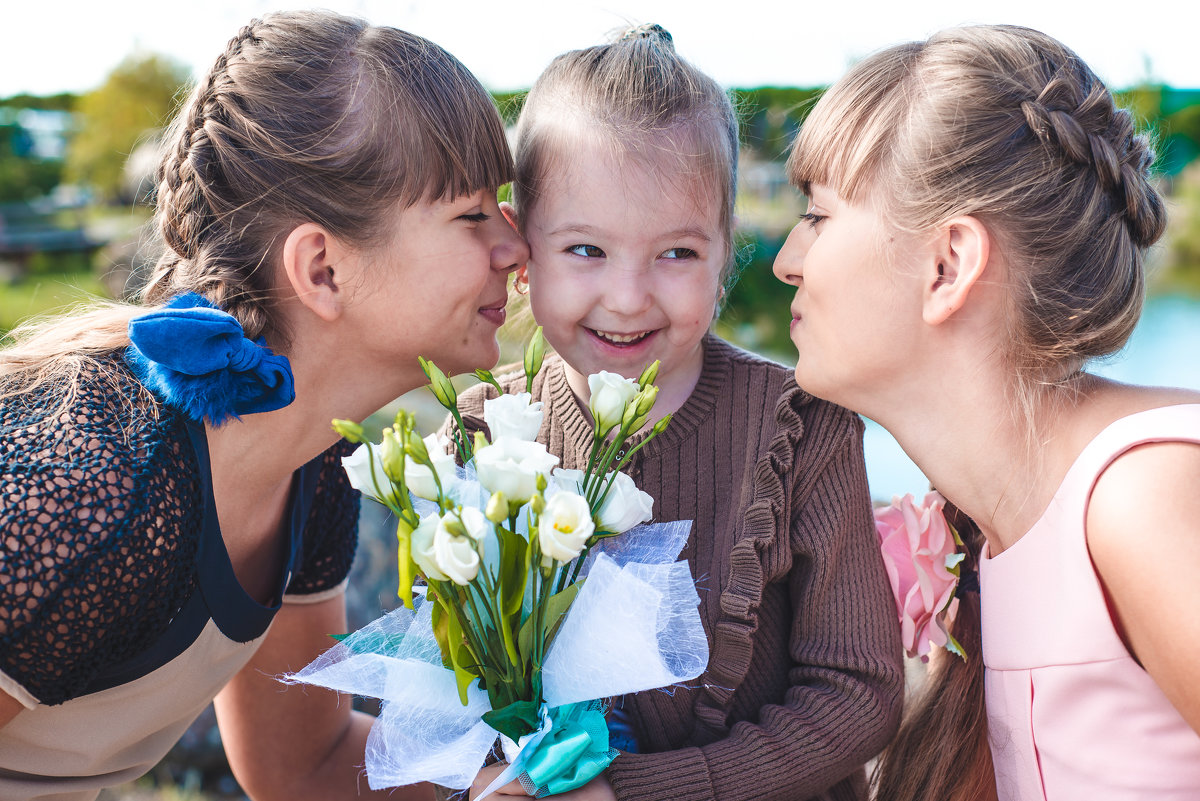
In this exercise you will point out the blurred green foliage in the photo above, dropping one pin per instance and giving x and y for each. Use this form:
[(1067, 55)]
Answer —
[(137, 98), (23, 177)]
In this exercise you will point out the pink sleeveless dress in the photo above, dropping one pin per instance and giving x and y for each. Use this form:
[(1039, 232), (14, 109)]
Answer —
[(1071, 715)]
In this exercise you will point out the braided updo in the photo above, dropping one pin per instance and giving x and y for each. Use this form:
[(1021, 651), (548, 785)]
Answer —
[(312, 116), (1009, 125)]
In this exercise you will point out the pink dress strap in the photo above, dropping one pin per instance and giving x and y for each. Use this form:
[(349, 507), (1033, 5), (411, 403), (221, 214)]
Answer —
[(1071, 715)]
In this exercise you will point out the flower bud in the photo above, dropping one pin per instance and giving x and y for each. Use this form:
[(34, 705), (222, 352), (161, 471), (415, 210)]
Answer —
[(540, 482), (648, 375), (391, 453), (416, 449), (661, 425), (439, 385), (645, 400), (349, 429), (497, 508), (480, 442), (404, 421), (486, 377), (537, 503), (535, 353)]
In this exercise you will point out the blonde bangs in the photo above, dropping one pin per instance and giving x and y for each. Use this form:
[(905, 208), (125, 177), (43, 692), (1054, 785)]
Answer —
[(846, 141)]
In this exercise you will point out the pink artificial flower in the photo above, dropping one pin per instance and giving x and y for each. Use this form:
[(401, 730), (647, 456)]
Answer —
[(920, 552)]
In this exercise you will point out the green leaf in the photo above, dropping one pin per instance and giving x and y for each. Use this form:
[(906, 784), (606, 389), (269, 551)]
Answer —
[(515, 720), (439, 621), (556, 609), (460, 657)]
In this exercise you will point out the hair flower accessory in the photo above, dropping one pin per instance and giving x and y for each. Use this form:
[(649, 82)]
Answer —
[(921, 554), (197, 358)]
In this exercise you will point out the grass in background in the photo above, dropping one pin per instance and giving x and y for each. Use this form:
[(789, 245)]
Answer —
[(46, 294)]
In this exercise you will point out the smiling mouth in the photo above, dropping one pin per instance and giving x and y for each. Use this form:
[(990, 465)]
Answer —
[(620, 340)]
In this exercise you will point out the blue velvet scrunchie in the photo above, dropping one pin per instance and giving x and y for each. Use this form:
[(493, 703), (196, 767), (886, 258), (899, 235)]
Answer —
[(197, 358)]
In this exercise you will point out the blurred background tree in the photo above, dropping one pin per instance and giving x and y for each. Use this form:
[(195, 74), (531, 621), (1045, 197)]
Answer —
[(134, 102)]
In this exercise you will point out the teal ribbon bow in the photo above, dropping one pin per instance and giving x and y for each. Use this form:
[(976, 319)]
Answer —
[(572, 753)]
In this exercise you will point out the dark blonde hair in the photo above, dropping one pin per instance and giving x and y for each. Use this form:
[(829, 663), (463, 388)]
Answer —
[(1010, 126), (645, 100), (306, 117)]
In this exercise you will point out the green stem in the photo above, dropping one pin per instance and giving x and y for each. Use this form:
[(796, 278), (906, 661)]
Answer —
[(462, 443)]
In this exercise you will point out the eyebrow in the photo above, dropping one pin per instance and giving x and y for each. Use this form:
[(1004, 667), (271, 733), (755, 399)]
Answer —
[(590, 230)]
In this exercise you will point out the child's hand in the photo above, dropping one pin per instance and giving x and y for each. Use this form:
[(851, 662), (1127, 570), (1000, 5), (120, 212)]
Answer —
[(598, 789), (488, 774)]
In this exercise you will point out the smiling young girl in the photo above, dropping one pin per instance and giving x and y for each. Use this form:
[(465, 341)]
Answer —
[(626, 172), (175, 519), (979, 210)]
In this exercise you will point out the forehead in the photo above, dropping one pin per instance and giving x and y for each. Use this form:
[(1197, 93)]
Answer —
[(657, 180)]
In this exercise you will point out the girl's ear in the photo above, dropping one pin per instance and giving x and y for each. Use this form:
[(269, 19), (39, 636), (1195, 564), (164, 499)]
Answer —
[(317, 266), (960, 255), (510, 214)]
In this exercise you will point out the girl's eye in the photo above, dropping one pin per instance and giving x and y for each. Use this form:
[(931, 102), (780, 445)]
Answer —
[(477, 217), (679, 253), (812, 219), (587, 251)]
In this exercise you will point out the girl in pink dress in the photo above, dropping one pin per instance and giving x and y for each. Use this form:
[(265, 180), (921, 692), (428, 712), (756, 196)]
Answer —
[(978, 213)]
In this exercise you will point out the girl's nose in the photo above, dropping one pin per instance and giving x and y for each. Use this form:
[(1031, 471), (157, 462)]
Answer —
[(627, 291), (789, 262)]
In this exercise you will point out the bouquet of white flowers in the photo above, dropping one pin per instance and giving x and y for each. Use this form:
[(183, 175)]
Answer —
[(527, 615)]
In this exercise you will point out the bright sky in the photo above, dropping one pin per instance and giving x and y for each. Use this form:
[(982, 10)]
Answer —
[(69, 45)]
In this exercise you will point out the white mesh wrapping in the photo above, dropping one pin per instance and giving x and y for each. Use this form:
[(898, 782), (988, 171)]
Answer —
[(635, 625), (631, 628), (423, 733)]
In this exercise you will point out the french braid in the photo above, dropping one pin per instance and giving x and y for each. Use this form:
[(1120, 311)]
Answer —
[(307, 116), (1008, 125)]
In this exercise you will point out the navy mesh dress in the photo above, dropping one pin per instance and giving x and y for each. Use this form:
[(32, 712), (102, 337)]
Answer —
[(112, 564)]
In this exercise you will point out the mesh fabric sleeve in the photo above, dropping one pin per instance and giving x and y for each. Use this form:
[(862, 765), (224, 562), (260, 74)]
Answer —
[(331, 532)]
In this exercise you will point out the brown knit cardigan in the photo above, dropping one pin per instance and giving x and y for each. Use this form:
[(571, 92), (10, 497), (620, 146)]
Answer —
[(804, 680)]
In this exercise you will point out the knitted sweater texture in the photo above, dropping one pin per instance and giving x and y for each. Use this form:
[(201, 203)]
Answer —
[(805, 678)]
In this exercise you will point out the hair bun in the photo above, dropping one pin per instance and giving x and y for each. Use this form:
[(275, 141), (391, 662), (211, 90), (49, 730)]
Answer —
[(649, 30)]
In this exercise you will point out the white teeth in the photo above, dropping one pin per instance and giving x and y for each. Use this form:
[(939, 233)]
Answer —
[(620, 339)]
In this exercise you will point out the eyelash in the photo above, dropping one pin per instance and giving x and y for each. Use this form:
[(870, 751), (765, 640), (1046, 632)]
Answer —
[(812, 219), (477, 217), (682, 253)]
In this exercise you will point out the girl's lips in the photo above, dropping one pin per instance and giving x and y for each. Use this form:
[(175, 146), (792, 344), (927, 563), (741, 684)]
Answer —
[(621, 343)]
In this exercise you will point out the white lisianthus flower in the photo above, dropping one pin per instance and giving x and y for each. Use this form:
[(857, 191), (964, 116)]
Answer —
[(512, 466), (476, 524), (610, 394), (625, 506), (456, 555), (564, 527), (419, 478), (421, 547), (513, 416), (358, 467)]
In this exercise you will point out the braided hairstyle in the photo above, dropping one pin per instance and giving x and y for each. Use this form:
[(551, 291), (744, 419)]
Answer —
[(307, 116), (311, 116), (1008, 125)]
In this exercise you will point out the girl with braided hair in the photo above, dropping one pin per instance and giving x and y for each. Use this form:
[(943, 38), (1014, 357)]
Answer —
[(175, 520), (979, 210)]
